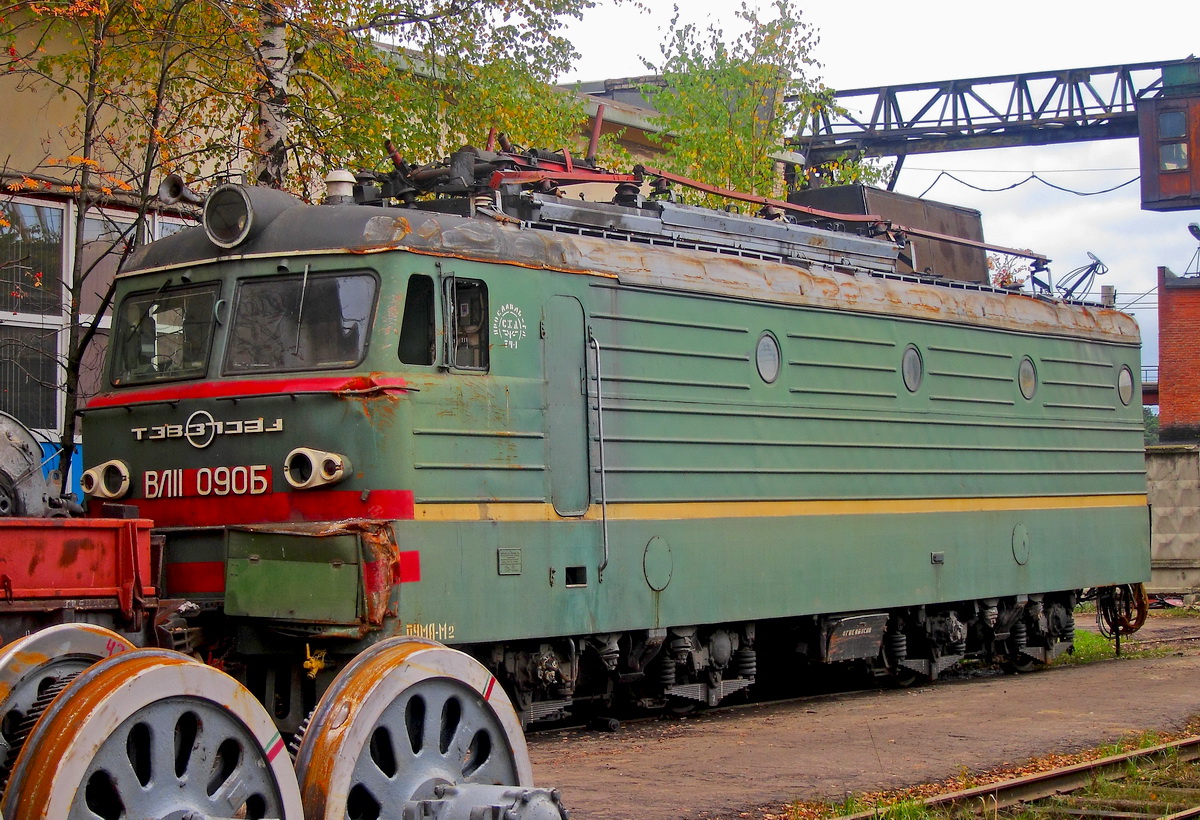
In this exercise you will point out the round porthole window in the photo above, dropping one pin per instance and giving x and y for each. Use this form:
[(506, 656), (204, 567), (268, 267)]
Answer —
[(766, 357), (1125, 385), (1027, 378), (912, 368)]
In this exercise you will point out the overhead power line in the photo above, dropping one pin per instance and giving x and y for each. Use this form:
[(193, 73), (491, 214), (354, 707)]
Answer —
[(1030, 178), (1010, 171)]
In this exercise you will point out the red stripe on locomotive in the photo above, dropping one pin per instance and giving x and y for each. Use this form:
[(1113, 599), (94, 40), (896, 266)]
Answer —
[(195, 577), (228, 388), (312, 505)]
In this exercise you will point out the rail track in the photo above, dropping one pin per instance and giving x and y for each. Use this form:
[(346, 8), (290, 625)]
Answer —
[(1154, 783)]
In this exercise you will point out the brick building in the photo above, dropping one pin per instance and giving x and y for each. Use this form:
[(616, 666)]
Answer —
[(1178, 357)]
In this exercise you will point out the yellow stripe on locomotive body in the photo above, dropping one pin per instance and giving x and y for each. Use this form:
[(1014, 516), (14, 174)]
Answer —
[(613, 448), (501, 512)]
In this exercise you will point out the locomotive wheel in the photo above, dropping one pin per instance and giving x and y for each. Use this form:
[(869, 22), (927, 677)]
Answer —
[(407, 719), (1017, 663), (30, 665), (902, 677), (153, 733)]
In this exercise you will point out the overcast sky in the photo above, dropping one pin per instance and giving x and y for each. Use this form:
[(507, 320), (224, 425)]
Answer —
[(869, 43)]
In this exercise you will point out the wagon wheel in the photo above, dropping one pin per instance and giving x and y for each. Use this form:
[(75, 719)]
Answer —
[(152, 733), (32, 664), (407, 720)]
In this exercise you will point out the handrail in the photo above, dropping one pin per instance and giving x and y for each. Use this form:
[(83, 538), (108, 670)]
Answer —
[(595, 344)]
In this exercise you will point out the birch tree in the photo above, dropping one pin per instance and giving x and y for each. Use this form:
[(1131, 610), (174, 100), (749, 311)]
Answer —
[(335, 79)]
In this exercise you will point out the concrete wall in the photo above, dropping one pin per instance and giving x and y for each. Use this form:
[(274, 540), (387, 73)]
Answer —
[(1173, 485)]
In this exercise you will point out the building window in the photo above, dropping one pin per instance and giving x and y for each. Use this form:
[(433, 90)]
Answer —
[(169, 227), (29, 375), (1172, 141), (91, 367), (105, 241), (31, 258)]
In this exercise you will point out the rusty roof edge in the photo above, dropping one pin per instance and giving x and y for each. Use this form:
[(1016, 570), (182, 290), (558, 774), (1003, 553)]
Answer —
[(672, 268), (754, 279)]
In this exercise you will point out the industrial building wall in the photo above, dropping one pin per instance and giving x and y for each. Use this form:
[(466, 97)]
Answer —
[(1173, 486), (1178, 362)]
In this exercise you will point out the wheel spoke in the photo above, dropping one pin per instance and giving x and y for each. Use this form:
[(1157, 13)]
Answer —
[(189, 757), (162, 752), (102, 794), (439, 713), (459, 752), (233, 793), (487, 763), (374, 781)]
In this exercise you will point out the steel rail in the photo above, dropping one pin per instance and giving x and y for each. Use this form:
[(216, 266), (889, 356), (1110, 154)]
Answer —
[(1006, 793), (1155, 641)]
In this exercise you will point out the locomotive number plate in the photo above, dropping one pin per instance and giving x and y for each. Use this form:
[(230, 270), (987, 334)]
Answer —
[(243, 479)]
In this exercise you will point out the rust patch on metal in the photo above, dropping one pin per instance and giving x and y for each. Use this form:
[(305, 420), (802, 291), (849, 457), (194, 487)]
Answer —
[(367, 390), (402, 227), (381, 569), (380, 559)]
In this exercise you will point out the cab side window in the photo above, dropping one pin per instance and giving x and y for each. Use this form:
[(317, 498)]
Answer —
[(467, 319), (417, 330)]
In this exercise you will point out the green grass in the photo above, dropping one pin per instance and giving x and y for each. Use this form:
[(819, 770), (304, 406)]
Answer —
[(1089, 647)]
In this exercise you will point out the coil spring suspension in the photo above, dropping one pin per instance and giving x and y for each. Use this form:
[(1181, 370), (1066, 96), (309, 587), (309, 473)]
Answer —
[(666, 669), (745, 663), (610, 657), (1068, 628), (897, 646), (1018, 636), (959, 647)]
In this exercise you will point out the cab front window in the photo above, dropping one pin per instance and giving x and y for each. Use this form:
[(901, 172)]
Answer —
[(305, 321), (163, 335)]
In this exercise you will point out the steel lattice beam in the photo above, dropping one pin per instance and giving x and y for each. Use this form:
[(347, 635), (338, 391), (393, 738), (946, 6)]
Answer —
[(1072, 105)]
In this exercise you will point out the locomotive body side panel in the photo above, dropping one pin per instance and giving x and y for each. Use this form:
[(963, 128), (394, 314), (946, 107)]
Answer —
[(833, 488)]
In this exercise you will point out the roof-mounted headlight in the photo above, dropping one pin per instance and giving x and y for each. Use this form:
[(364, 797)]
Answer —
[(236, 213)]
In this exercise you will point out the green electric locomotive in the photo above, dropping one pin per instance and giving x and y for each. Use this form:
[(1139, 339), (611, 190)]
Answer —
[(630, 448)]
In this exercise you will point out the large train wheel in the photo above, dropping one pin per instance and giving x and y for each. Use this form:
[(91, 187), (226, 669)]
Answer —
[(152, 733), (409, 720), (31, 665)]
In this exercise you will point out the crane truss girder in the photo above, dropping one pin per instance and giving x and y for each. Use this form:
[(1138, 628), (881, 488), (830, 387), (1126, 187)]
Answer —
[(1041, 108)]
